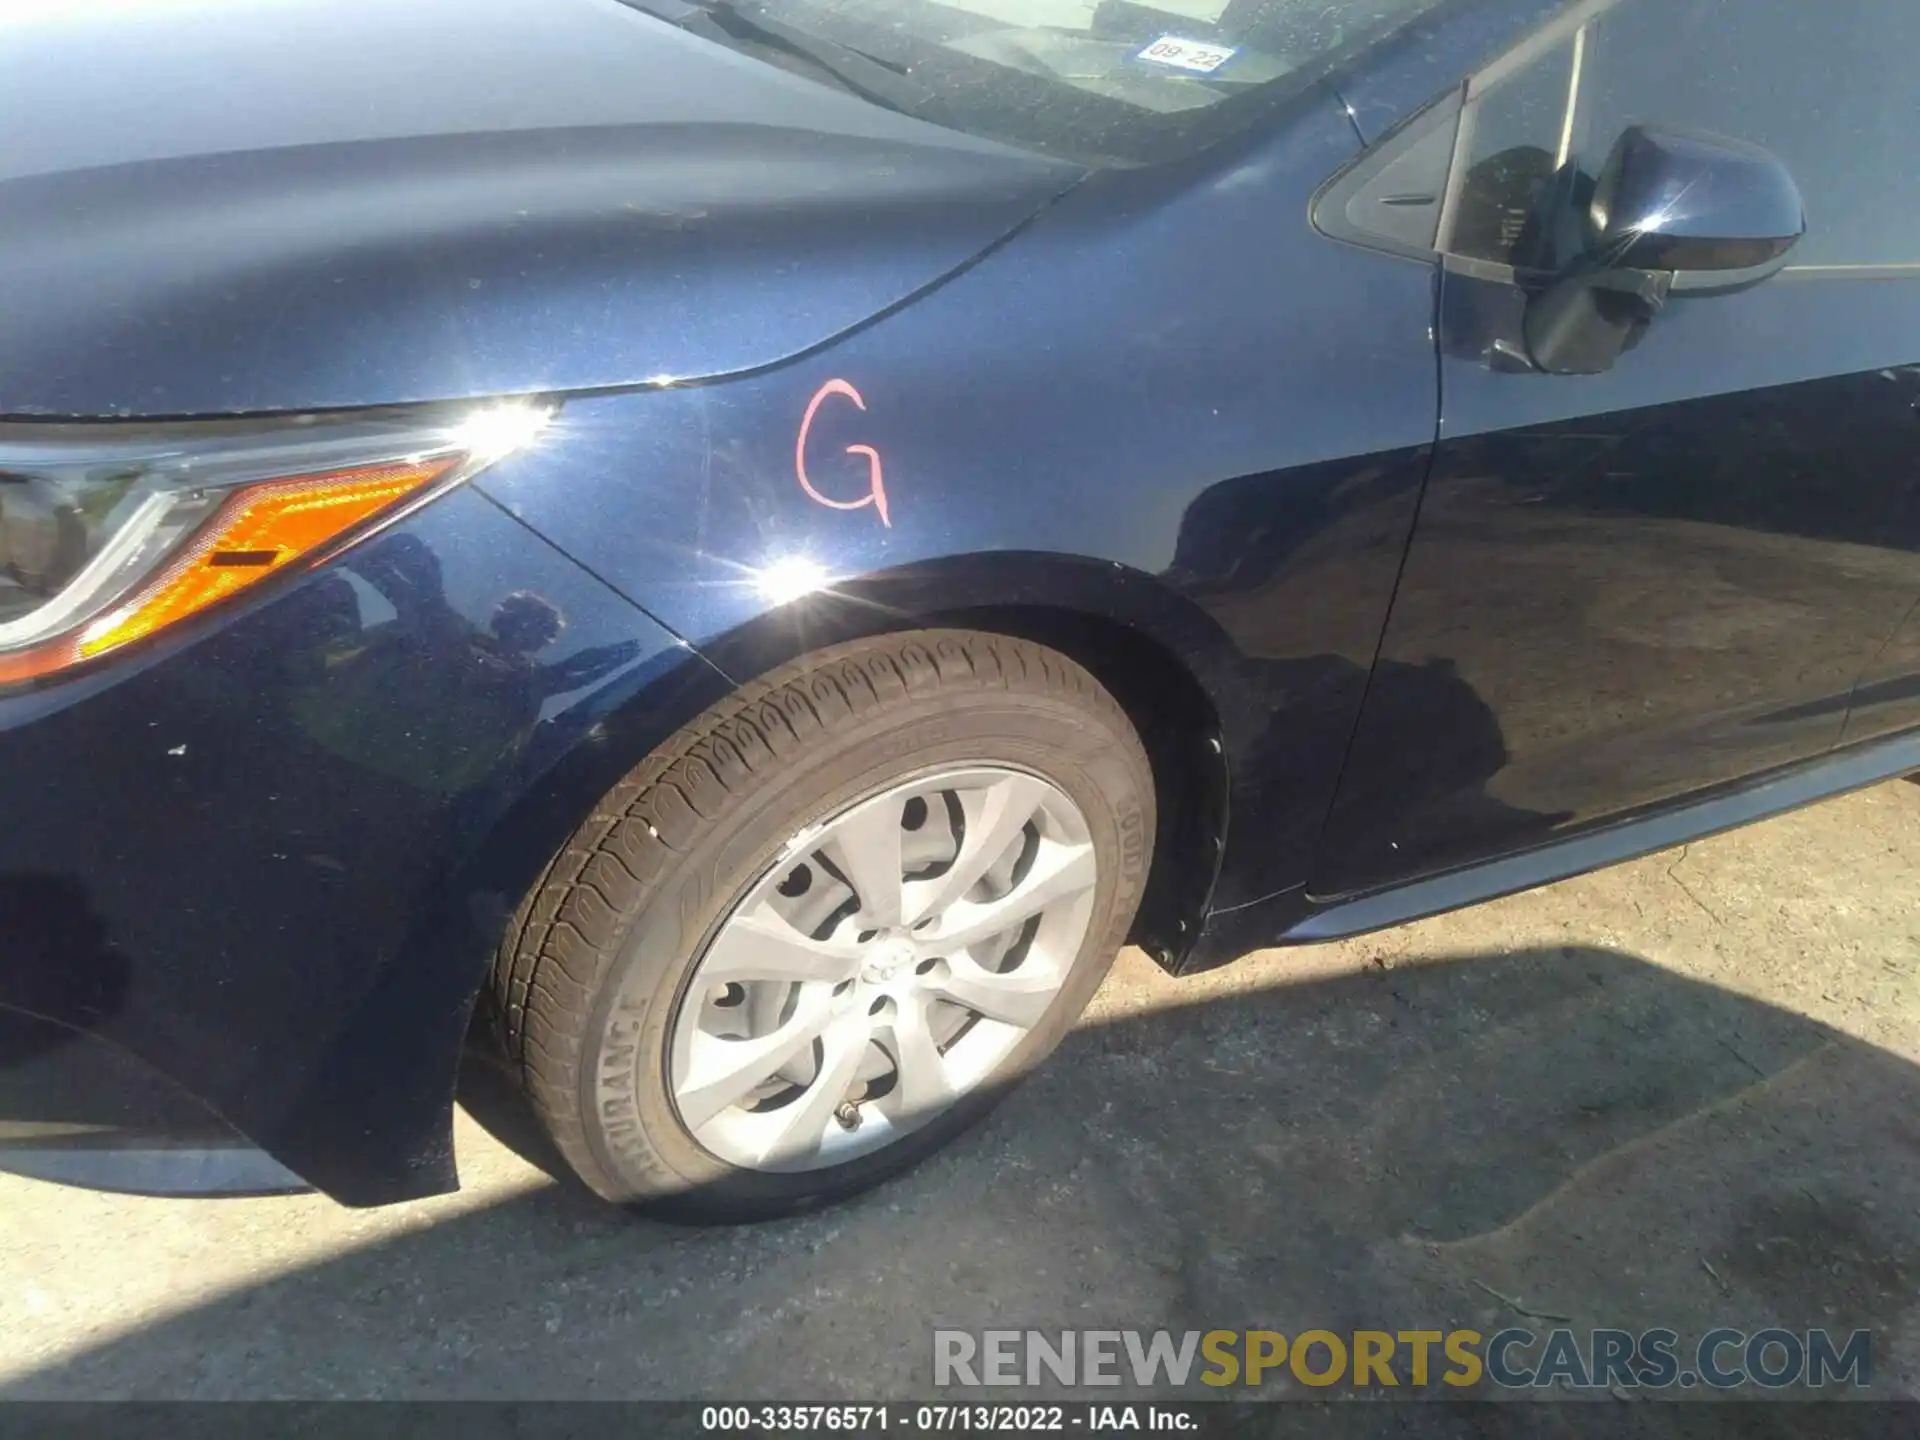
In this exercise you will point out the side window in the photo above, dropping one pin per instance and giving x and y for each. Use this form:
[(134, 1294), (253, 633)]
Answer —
[(1517, 181), (1826, 86)]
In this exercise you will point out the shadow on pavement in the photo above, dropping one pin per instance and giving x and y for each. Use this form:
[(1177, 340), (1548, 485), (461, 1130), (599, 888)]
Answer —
[(1574, 1132)]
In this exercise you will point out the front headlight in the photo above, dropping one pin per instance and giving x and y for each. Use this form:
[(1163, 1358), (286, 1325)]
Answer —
[(110, 533)]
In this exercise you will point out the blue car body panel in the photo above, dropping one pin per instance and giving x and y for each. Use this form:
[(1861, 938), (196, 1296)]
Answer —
[(495, 197), (1257, 537), (295, 835)]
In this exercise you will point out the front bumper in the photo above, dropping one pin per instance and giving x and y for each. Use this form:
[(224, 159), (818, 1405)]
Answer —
[(271, 861), (78, 1110)]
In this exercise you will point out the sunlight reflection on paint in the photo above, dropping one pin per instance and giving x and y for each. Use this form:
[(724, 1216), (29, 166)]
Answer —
[(499, 430), (791, 578)]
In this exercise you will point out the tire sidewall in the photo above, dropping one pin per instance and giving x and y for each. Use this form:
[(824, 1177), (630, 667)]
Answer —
[(630, 1123)]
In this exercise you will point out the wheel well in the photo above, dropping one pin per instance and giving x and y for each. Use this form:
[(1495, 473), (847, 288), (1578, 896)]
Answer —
[(1177, 724)]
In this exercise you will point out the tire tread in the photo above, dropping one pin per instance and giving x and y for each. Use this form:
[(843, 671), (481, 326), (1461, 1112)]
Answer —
[(565, 935)]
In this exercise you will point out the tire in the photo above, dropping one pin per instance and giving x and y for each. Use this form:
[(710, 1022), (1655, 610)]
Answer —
[(592, 983)]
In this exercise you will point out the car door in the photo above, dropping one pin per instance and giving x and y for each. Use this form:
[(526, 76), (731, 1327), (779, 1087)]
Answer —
[(1671, 574)]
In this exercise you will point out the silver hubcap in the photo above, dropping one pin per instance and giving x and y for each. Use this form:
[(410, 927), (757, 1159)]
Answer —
[(884, 967)]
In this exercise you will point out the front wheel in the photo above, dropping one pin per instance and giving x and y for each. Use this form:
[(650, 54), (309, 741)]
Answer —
[(827, 925)]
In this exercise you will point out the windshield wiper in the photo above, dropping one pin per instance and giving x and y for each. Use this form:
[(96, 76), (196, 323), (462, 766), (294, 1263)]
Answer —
[(852, 69)]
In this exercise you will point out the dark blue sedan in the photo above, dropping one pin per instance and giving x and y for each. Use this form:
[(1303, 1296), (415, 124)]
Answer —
[(750, 545)]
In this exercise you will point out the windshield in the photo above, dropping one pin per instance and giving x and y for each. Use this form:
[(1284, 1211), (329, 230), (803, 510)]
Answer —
[(1100, 81)]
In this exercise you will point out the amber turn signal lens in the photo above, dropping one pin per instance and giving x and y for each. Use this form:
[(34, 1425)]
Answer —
[(258, 532)]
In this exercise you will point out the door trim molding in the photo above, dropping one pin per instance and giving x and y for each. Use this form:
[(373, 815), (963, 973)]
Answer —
[(1722, 809)]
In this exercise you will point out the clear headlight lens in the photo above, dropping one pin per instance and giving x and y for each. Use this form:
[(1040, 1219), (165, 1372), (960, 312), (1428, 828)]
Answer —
[(109, 534)]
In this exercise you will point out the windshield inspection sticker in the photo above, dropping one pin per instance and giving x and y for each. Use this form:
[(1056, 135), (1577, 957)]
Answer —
[(1195, 55)]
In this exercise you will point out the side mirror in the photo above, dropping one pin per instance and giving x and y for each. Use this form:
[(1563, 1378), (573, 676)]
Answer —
[(1674, 211), (1688, 202)]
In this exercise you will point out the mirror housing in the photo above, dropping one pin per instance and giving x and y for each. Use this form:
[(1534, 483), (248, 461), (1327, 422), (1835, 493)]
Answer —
[(1674, 211), (1686, 202)]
